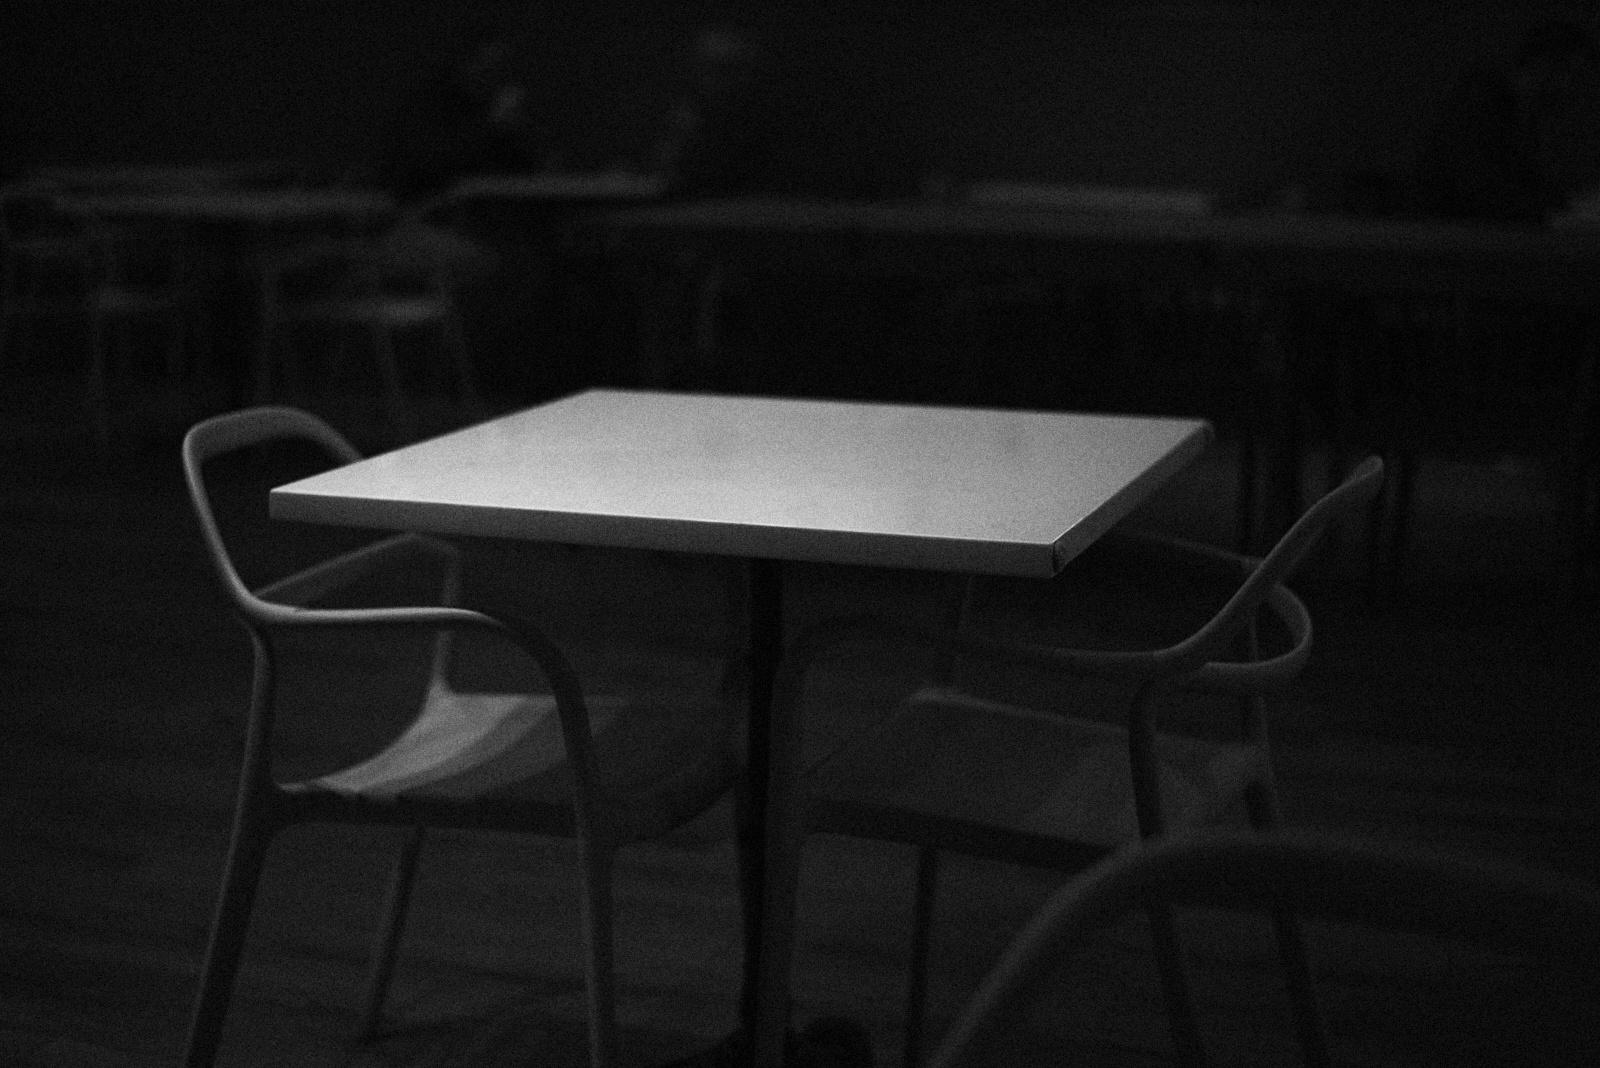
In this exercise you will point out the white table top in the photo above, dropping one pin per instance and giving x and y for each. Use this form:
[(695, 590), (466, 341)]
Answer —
[(952, 489)]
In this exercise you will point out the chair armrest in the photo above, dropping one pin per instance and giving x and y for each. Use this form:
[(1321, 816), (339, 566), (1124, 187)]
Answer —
[(321, 579), (1252, 676), (1139, 666), (1170, 548), (571, 708), (1264, 675)]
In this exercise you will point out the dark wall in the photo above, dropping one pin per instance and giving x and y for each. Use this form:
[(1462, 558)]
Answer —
[(315, 81), (1222, 95), (191, 80)]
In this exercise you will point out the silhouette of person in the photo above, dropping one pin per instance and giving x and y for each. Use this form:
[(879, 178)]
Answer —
[(1507, 145), (1514, 146), (806, 116), (710, 142), (470, 115)]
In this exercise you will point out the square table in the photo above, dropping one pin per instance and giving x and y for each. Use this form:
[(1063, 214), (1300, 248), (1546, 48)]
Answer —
[(973, 491)]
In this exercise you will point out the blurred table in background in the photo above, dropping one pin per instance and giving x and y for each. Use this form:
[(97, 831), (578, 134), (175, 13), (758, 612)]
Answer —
[(1554, 265), (245, 207), (1076, 197), (129, 177), (559, 187)]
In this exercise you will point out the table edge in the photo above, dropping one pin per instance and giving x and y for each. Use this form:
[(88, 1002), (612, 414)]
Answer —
[(870, 549)]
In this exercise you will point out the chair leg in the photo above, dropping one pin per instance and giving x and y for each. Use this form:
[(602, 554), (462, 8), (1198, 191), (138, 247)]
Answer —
[(1248, 504), (203, 331), (1387, 523), (389, 931), (262, 353), (1175, 988), (97, 401), (466, 374), (178, 345), (389, 373), (246, 857), (921, 934), (600, 968), (1585, 520), (1582, 468), (1404, 490), (1310, 1026), (7, 335)]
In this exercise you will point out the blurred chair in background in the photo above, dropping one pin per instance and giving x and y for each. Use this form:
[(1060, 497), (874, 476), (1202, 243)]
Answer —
[(141, 273), (99, 282), (376, 289), (42, 272)]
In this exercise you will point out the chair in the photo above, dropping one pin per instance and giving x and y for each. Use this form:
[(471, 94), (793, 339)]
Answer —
[(138, 272), (606, 771), (992, 779), (358, 285), (43, 260), (1384, 888), (98, 277)]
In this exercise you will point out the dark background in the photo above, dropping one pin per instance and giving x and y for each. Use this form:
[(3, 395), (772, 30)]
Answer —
[(1458, 713), (1232, 97)]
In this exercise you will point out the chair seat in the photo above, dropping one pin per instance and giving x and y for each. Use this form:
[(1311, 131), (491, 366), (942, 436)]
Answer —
[(661, 758), (946, 759)]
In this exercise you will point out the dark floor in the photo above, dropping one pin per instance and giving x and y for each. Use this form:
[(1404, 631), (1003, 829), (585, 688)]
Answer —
[(1463, 714)]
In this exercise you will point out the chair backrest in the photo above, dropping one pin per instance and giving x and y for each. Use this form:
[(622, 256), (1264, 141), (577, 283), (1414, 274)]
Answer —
[(1488, 904), (239, 430), (42, 221), (1212, 639)]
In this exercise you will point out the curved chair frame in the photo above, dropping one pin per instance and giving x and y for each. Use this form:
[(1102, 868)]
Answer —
[(1490, 903), (266, 806), (1198, 662)]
